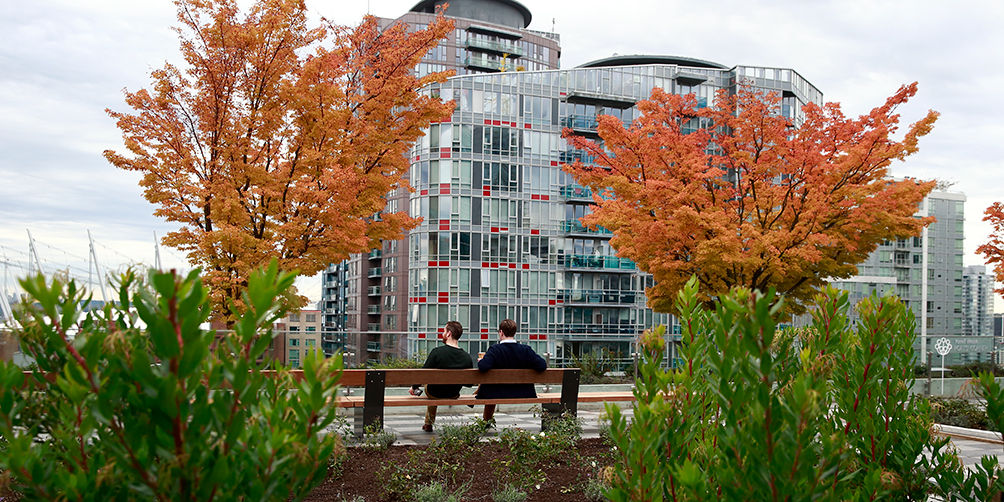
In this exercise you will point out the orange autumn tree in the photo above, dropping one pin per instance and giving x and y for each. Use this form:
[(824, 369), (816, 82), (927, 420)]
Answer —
[(993, 249), (738, 195), (277, 139)]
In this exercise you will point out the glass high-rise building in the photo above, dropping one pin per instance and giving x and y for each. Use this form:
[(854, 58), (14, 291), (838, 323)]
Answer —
[(501, 235)]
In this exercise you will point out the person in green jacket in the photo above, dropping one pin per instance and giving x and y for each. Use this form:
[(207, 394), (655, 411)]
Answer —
[(449, 356)]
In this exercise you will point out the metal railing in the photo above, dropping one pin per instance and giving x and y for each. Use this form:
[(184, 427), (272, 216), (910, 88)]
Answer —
[(373, 291), (490, 64), (490, 45), (596, 261), (374, 272)]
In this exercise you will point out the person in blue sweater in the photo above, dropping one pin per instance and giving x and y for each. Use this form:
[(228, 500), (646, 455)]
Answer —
[(508, 354)]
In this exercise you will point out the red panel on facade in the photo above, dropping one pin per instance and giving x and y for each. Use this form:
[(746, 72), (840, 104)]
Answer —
[(503, 229), (526, 126), (535, 197), (554, 163), (533, 337), (545, 197), (444, 300), (488, 122), (424, 192), (484, 264), (534, 232), (432, 263), (496, 122), (543, 337), (495, 265), (444, 227), (444, 293), (495, 229), (484, 330), (444, 155), (444, 186), (512, 265), (444, 264), (421, 335), (421, 299), (486, 193), (526, 266), (550, 302), (484, 337)]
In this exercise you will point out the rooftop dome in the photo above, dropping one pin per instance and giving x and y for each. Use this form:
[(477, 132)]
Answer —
[(501, 12), (646, 59)]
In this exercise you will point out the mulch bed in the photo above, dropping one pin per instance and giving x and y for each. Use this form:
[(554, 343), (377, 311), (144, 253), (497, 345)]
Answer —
[(360, 474)]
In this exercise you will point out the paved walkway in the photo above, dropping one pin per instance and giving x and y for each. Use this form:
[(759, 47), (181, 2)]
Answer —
[(408, 428)]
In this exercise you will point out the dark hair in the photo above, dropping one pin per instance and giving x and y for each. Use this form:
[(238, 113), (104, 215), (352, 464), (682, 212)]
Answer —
[(455, 329), (508, 328)]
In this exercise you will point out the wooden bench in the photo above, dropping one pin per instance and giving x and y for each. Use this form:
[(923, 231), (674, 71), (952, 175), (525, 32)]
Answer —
[(369, 408)]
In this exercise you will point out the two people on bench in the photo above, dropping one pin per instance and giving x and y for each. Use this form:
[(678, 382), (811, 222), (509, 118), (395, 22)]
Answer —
[(507, 354)]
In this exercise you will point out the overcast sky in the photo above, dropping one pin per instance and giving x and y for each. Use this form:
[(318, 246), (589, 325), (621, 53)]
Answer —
[(63, 62)]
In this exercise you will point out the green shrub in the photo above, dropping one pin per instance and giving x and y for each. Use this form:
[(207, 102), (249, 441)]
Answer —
[(758, 413), (133, 403), (960, 413)]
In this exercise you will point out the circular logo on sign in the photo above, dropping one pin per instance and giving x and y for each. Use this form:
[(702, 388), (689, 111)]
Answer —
[(943, 346)]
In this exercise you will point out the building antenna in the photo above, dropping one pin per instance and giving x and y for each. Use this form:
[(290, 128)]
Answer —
[(552, 26)]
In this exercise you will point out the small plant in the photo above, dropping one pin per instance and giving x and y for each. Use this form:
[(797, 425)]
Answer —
[(378, 438), (466, 434), (508, 493), (438, 492), (593, 365)]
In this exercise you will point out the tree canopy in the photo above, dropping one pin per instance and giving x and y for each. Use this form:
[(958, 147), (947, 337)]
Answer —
[(740, 195), (277, 139), (993, 249)]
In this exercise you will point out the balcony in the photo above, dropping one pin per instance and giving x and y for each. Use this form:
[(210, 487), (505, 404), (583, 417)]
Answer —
[(509, 48), (597, 262), (374, 272), (373, 310), (488, 64), (576, 227), (576, 192), (374, 254), (602, 296), (585, 124), (575, 155), (372, 346), (373, 327), (373, 291)]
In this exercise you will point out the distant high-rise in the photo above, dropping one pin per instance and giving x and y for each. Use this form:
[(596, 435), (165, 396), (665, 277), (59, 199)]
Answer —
[(925, 271)]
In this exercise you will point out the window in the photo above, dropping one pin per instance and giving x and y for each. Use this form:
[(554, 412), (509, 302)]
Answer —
[(311, 318), (930, 323), (294, 342), (310, 342), (294, 317)]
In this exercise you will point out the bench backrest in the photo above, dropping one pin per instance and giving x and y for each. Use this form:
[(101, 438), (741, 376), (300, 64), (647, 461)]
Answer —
[(357, 378)]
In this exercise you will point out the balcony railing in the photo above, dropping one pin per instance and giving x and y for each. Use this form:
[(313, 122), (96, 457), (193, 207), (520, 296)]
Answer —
[(585, 122), (372, 346), (373, 309), (373, 291), (374, 272), (600, 262), (576, 192), (374, 254), (372, 326), (576, 227), (511, 49), (488, 64), (608, 296)]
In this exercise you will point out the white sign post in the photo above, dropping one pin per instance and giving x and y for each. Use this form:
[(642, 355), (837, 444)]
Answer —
[(943, 346)]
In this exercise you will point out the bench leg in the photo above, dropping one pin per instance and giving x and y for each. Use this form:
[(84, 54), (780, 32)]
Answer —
[(551, 413), (371, 414)]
